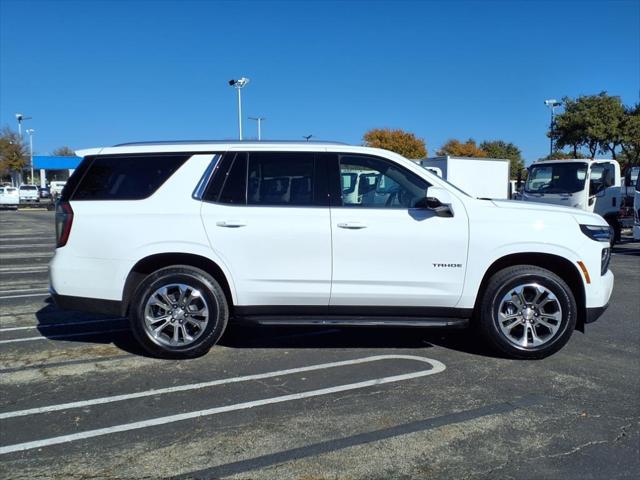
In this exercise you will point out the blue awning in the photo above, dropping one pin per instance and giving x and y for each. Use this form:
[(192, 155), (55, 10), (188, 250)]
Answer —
[(49, 162)]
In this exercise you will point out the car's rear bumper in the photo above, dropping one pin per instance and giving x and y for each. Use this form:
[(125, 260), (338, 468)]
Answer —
[(92, 305)]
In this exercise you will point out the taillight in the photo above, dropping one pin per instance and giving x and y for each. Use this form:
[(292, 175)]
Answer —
[(64, 219)]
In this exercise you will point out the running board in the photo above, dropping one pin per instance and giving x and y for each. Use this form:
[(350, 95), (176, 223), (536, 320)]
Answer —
[(354, 321)]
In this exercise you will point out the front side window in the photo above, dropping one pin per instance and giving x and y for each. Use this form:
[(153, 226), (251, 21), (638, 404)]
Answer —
[(371, 182), (602, 176), (281, 178)]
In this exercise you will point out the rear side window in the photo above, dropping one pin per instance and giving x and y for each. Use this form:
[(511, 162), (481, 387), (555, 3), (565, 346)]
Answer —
[(281, 178), (123, 177)]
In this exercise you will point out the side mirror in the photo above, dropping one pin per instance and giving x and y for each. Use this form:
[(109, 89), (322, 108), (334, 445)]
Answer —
[(438, 200)]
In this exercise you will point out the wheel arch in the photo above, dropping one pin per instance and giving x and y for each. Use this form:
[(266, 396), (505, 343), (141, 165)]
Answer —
[(562, 267), (151, 263)]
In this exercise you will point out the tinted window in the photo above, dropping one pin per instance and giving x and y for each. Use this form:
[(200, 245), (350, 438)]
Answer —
[(235, 186), (376, 183), (126, 177), (281, 178), (219, 177)]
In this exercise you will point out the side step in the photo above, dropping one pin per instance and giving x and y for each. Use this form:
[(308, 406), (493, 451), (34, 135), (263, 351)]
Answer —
[(354, 321)]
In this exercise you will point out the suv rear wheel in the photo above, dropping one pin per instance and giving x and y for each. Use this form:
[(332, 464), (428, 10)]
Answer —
[(178, 312), (527, 312)]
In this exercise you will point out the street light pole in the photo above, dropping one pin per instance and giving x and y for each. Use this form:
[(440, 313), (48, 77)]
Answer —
[(552, 104), (259, 120), (31, 131), (238, 85), (20, 117)]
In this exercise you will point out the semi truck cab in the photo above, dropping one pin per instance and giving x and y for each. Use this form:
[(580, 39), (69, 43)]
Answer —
[(593, 185)]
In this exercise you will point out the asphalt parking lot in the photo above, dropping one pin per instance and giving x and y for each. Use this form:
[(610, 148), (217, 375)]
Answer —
[(80, 400)]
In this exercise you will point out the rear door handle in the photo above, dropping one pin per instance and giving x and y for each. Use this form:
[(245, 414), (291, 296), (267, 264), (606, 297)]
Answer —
[(352, 225), (231, 223)]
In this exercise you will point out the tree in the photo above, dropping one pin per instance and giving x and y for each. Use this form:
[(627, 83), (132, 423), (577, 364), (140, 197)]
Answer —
[(13, 152), (590, 121), (64, 152), (502, 149), (399, 141), (560, 155), (630, 135), (455, 148)]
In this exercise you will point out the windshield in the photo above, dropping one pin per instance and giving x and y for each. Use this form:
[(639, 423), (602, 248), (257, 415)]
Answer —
[(556, 178)]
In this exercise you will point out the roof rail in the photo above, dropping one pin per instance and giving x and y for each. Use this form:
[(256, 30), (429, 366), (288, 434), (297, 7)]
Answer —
[(239, 142)]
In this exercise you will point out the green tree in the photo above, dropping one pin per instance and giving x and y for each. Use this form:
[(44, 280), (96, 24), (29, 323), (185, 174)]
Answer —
[(560, 155), (13, 152), (590, 121), (64, 152), (502, 149), (399, 141), (630, 135), (456, 148)]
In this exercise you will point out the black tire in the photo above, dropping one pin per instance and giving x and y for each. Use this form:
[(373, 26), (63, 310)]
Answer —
[(508, 279), (212, 295)]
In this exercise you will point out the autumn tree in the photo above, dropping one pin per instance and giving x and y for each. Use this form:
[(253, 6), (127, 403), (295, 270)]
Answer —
[(455, 148), (64, 152), (13, 152), (399, 141), (502, 149)]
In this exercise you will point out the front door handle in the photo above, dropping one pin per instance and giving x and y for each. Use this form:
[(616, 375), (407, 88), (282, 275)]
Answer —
[(231, 223), (352, 225)]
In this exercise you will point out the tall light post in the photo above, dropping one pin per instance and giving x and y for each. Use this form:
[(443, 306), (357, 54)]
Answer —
[(31, 131), (259, 120), (552, 103), (21, 118), (239, 85)]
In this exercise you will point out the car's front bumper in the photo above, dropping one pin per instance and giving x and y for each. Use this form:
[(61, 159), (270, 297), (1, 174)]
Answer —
[(594, 313)]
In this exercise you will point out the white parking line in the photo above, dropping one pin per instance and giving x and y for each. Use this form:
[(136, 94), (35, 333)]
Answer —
[(436, 367), (43, 294), (25, 290), (62, 336), (64, 324), (20, 255), (28, 245), (23, 269)]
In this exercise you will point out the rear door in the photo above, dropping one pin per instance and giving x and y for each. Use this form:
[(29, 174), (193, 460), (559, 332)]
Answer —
[(267, 216)]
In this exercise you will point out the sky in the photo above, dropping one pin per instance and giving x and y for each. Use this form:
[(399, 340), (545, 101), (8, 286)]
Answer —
[(97, 73)]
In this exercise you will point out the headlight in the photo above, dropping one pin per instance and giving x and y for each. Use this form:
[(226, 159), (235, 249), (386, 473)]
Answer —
[(598, 233)]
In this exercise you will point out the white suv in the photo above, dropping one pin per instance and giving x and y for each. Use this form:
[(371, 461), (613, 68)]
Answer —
[(182, 237)]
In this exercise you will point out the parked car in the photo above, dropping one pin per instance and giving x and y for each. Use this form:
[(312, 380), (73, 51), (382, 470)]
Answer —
[(186, 237), (29, 194), (56, 187), (44, 192), (9, 197)]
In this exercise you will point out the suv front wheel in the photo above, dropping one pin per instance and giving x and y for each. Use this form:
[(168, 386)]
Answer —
[(527, 312), (178, 312)]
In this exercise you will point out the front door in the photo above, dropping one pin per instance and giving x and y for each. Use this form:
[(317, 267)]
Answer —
[(269, 222), (386, 253)]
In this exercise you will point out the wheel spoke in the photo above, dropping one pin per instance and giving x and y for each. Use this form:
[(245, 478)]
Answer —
[(539, 293)]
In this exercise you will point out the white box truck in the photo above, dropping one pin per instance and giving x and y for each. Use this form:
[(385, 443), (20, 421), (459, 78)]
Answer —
[(593, 185), (479, 177)]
